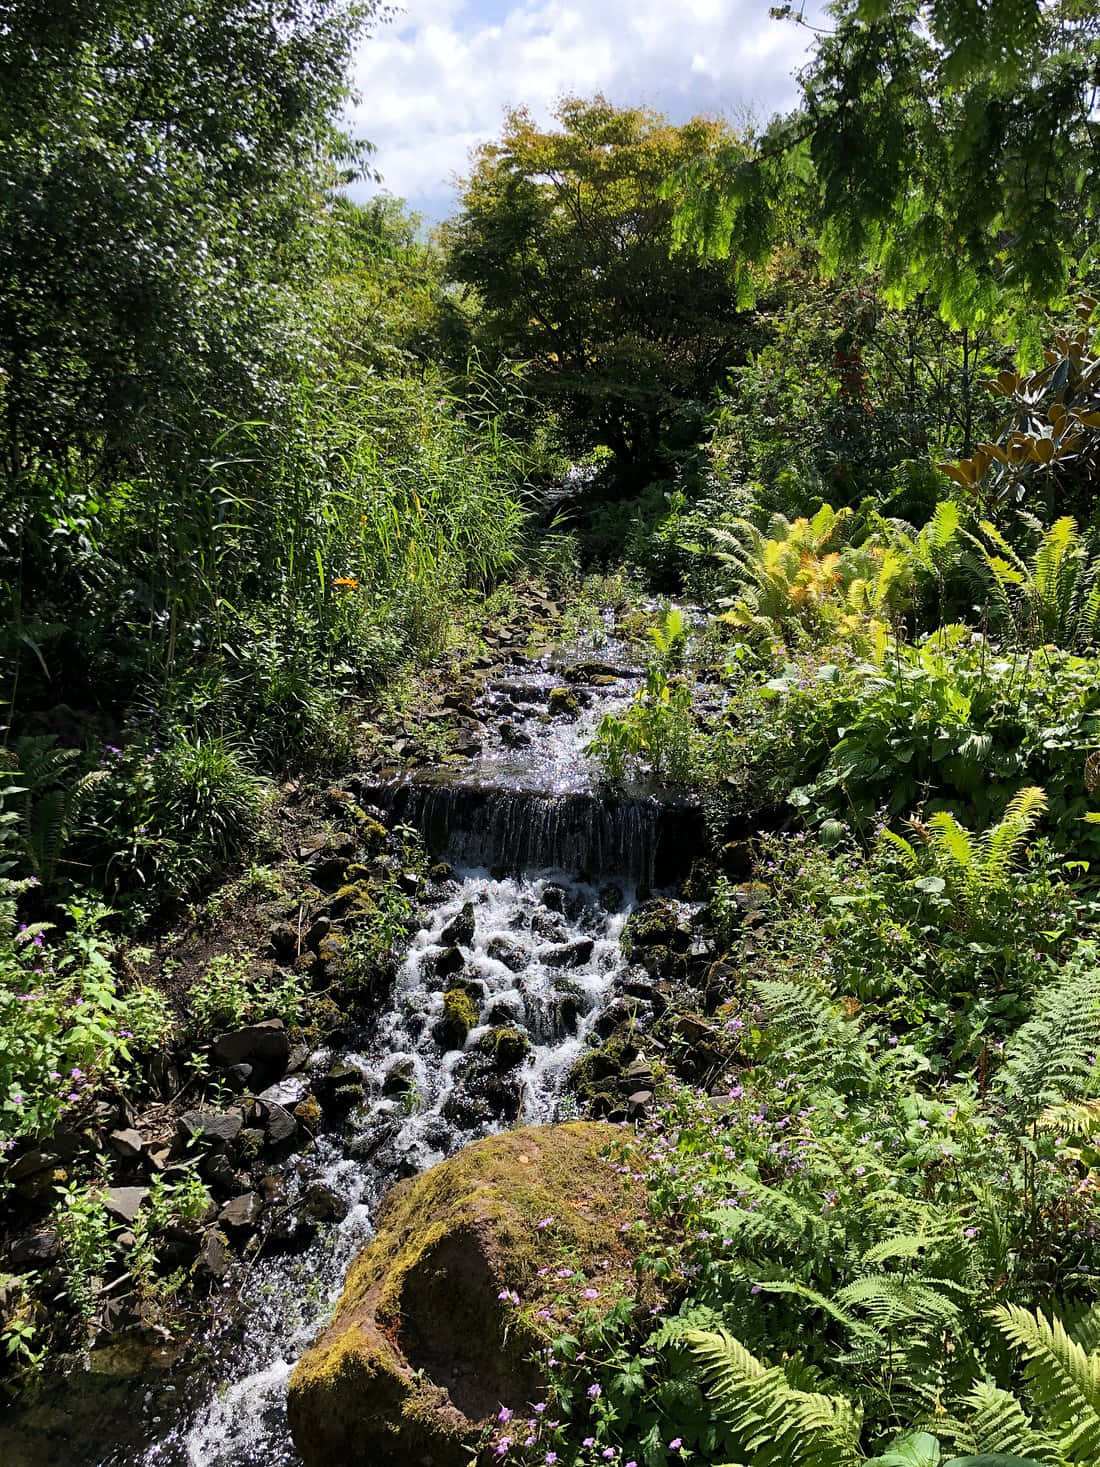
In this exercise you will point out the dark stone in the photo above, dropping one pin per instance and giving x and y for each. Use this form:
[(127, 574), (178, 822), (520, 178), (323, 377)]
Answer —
[(35, 1250), (460, 931), (284, 942), (124, 1203), (449, 962), (638, 1104), (218, 1171), (279, 1125), (341, 1089), (126, 1144), (553, 897), (30, 1163), (570, 954), (321, 1204), (214, 1127), (611, 898), (238, 1076), (318, 929), (503, 950), (241, 1214), (265, 1042), (399, 1076), (213, 1260)]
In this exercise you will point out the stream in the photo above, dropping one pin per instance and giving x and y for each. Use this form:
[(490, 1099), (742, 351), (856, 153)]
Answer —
[(546, 870)]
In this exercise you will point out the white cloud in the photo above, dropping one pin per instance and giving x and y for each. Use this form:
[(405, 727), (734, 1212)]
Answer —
[(436, 81)]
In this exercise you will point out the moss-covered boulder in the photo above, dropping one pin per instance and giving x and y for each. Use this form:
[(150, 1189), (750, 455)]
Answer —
[(459, 1017), (427, 1343)]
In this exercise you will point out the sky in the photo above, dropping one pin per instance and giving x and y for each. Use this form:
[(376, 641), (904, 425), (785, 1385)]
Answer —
[(435, 81)]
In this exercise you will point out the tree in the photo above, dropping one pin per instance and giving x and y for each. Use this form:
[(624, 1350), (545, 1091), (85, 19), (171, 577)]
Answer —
[(953, 144), (565, 237), (162, 167)]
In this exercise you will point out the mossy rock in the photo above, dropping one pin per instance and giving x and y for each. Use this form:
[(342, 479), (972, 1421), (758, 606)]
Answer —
[(506, 1045), (653, 925), (564, 703), (459, 1017), (422, 1352)]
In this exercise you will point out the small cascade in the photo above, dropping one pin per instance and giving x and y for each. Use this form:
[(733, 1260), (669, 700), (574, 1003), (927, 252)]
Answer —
[(494, 1001), (639, 839)]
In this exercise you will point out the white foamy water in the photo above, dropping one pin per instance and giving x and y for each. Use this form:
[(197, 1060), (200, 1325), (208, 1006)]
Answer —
[(542, 959)]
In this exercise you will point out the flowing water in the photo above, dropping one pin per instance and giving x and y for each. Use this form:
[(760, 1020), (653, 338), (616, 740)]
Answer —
[(546, 869)]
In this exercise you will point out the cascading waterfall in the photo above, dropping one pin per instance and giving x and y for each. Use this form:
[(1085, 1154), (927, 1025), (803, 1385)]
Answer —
[(542, 958), (546, 868)]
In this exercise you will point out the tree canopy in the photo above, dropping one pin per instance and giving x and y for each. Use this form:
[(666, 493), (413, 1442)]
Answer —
[(565, 236), (162, 168), (955, 145)]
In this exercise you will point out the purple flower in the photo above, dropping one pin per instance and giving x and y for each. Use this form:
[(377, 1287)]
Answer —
[(591, 1294), (589, 1441), (539, 1407), (675, 1444), (544, 1222), (551, 1458), (504, 1414), (594, 1393)]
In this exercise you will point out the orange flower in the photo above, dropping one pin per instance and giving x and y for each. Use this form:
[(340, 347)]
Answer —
[(350, 581)]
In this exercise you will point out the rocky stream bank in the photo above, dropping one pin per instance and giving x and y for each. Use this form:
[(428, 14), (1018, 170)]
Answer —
[(555, 958)]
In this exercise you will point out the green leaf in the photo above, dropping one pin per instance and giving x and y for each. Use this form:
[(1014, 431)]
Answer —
[(917, 1449)]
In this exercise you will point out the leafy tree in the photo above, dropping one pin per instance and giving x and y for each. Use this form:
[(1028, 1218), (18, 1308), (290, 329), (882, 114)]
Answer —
[(161, 171), (953, 144), (565, 237)]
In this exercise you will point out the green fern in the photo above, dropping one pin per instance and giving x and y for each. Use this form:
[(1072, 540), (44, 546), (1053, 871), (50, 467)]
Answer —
[(1048, 1061), (774, 1423), (1063, 1376)]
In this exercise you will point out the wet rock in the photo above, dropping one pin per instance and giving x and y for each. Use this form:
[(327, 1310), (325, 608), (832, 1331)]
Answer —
[(554, 897), (213, 1128), (549, 925), (280, 1127), (341, 1089), (322, 1204), (34, 1250), (399, 1076), (513, 737), (564, 703), (237, 1077), (638, 1074), (600, 674), (449, 962), (124, 1203), (459, 1017), (460, 931), (507, 1046), (212, 1263), (569, 954), (652, 925), (284, 944), (611, 897), (264, 1043), (448, 1244), (511, 954), (241, 1214), (127, 1143), (308, 1112)]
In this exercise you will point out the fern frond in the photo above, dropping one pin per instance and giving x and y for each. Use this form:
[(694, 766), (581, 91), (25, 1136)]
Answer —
[(998, 1423), (1064, 1378), (1047, 1061), (773, 1423)]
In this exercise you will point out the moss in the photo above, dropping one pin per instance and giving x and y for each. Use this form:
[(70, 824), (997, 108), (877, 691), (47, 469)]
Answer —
[(506, 1045), (564, 702), (459, 1017), (597, 1066), (308, 1111), (421, 1302)]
